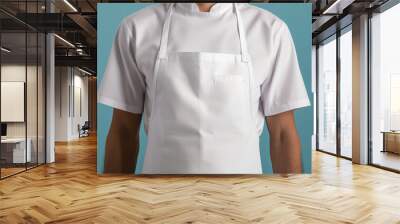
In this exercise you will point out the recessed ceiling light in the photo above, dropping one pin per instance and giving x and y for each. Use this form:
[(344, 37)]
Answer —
[(64, 40), (337, 7), (84, 71), (5, 50), (70, 5)]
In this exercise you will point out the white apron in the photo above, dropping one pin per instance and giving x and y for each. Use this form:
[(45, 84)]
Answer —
[(203, 112)]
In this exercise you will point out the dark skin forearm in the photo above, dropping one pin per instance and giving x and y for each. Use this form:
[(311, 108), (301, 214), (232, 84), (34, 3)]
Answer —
[(122, 144), (285, 145)]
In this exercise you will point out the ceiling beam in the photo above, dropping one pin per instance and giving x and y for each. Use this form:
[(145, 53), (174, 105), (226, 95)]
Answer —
[(83, 23), (81, 61)]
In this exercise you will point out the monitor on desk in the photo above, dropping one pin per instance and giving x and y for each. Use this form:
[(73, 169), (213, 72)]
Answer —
[(3, 130)]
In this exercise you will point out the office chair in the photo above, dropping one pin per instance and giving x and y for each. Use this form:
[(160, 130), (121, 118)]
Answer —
[(84, 130)]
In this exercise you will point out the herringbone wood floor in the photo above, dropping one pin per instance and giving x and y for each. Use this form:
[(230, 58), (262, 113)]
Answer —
[(70, 191)]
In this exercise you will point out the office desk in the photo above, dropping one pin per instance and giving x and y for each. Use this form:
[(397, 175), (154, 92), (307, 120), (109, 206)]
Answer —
[(391, 141), (13, 150)]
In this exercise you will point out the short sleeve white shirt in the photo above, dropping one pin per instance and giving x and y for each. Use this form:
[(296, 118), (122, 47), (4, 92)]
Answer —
[(132, 58)]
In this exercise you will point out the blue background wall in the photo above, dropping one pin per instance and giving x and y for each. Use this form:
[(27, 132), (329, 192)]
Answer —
[(296, 16)]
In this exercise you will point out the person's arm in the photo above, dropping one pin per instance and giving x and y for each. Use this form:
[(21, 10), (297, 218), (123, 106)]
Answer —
[(122, 144), (285, 146)]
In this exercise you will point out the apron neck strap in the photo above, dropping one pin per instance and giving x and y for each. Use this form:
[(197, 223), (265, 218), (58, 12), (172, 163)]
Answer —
[(165, 33), (242, 35), (166, 27)]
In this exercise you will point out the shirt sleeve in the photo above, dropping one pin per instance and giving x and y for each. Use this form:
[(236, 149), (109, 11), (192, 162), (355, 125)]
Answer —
[(283, 89), (123, 86)]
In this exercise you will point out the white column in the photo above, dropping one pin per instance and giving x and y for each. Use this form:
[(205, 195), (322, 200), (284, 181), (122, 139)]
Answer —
[(360, 90), (50, 91)]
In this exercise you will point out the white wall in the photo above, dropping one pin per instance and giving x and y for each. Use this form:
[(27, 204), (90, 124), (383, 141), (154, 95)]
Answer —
[(16, 72), (61, 103), (70, 83), (79, 117)]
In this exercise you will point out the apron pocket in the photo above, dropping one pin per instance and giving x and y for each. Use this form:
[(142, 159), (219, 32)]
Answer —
[(228, 103)]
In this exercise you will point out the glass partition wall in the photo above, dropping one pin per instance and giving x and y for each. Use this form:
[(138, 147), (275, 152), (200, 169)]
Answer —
[(13, 110), (22, 78), (334, 90)]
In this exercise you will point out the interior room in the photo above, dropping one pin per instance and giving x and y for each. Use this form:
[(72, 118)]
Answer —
[(28, 56), (48, 122)]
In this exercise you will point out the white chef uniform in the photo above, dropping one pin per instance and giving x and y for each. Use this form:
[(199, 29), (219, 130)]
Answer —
[(203, 87)]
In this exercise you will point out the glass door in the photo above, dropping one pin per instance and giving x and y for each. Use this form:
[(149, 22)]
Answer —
[(327, 96), (346, 92)]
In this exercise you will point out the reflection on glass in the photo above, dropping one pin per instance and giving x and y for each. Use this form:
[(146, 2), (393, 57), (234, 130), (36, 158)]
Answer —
[(327, 96), (385, 103), (346, 94)]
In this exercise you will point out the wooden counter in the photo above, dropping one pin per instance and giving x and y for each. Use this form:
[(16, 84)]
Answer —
[(391, 141)]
